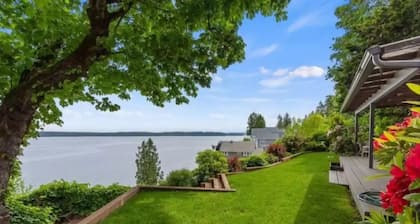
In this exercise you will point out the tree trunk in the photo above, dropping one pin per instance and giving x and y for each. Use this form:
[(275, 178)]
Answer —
[(16, 112)]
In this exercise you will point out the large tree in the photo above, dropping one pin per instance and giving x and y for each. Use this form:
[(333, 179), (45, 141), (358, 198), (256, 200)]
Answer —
[(56, 53), (255, 120)]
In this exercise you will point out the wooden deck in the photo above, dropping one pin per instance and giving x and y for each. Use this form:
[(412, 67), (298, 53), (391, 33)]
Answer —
[(356, 171)]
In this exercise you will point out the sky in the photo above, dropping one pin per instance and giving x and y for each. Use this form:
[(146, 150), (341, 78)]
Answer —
[(284, 71)]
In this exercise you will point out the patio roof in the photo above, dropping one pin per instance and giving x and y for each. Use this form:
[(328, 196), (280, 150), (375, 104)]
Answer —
[(382, 74)]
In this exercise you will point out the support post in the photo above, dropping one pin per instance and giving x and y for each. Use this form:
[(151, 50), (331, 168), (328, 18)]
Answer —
[(356, 131), (371, 132)]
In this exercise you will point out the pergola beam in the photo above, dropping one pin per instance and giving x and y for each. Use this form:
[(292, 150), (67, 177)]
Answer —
[(401, 77)]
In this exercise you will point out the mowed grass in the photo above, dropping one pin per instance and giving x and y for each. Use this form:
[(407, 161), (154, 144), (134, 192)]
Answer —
[(296, 191)]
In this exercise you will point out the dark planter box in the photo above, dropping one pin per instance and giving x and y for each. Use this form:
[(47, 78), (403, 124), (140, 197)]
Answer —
[(336, 166)]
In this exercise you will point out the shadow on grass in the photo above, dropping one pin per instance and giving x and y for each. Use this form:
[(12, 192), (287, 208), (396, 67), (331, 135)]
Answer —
[(326, 203)]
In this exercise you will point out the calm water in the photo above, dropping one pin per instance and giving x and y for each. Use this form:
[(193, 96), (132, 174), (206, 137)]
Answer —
[(105, 160)]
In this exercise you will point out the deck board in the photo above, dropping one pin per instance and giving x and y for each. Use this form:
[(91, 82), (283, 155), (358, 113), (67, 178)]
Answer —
[(356, 171)]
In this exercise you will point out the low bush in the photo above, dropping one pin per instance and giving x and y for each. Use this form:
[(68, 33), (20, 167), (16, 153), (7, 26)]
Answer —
[(209, 164), (293, 144), (182, 177), (277, 150), (71, 199), (255, 160), (26, 214), (314, 146), (234, 164), (270, 158)]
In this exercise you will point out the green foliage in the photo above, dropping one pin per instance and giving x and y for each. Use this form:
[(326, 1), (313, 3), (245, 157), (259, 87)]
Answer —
[(293, 143), (165, 50), (148, 164), (269, 158), (255, 120), (299, 188), (69, 199), (284, 122), (209, 164), (182, 177), (255, 160), (27, 214)]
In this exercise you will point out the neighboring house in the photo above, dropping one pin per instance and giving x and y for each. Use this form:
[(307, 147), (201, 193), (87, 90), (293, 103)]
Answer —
[(241, 149), (263, 137)]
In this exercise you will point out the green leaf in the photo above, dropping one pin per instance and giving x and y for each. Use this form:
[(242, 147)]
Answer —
[(409, 139), (415, 109), (414, 87), (415, 185), (412, 102), (412, 197)]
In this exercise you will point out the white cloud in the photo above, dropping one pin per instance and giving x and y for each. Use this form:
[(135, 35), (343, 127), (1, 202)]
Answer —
[(264, 51), (281, 72), (275, 82), (217, 116), (263, 70), (282, 76), (303, 21), (308, 71)]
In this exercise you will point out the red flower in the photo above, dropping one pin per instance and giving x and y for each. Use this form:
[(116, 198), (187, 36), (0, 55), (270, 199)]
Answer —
[(412, 163), (415, 114), (376, 145), (396, 189)]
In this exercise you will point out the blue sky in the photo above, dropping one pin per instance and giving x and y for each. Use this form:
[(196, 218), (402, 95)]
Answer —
[(284, 71)]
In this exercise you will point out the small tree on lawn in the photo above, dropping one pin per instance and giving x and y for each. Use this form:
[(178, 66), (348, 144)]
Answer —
[(148, 164)]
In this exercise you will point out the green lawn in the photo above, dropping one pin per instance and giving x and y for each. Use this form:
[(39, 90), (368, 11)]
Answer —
[(294, 192)]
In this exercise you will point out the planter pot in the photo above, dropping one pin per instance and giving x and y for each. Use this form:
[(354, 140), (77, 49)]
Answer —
[(336, 166)]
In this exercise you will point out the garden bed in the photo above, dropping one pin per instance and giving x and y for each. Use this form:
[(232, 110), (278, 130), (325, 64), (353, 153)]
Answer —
[(295, 192)]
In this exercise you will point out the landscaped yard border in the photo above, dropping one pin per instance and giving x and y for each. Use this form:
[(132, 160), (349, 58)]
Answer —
[(246, 169), (107, 209)]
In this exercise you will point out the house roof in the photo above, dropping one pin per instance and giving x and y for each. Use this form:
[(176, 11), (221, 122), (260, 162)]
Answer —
[(266, 133), (382, 74), (231, 146)]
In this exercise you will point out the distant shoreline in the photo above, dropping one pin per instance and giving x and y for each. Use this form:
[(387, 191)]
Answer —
[(134, 134)]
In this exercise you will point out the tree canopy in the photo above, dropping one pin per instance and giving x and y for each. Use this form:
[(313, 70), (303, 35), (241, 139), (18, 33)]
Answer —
[(57, 53), (255, 120)]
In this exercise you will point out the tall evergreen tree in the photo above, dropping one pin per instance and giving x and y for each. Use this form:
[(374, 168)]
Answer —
[(279, 121), (148, 164), (287, 120), (255, 120)]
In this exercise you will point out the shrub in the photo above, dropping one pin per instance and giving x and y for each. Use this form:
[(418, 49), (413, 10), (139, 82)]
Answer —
[(270, 158), (256, 160), (71, 199), (234, 164), (210, 163), (277, 150), (26, 214), (314, 146), (293, 144), (182, 177), (243, 162)]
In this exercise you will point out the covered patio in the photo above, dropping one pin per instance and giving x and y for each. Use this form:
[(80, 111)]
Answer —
[(380, 81)]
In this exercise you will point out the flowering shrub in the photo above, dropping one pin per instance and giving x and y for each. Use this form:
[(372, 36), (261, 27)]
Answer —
[(234, 165), (277, 150), (398, 150)]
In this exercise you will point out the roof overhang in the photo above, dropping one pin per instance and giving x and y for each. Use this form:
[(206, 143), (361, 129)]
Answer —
[(382, 74)]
